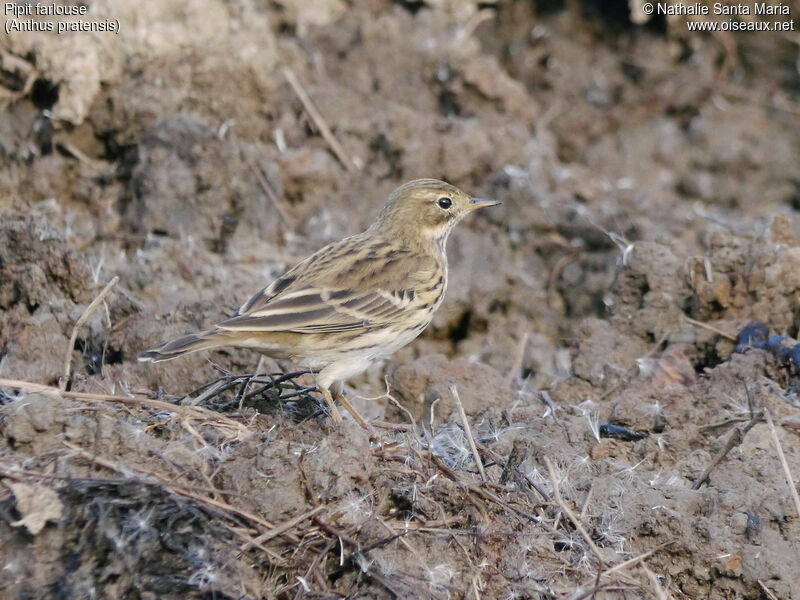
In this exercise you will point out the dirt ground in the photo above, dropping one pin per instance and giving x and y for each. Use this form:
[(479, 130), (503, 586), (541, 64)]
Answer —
[(651, 199)]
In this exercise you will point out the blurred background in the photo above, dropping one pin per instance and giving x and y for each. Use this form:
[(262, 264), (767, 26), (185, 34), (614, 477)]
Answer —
[(649, 176)]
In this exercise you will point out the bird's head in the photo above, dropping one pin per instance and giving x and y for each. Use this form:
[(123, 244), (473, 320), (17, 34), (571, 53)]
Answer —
[(428, 208)]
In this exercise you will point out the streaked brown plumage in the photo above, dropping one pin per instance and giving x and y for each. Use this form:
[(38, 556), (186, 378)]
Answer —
[(354, 301)]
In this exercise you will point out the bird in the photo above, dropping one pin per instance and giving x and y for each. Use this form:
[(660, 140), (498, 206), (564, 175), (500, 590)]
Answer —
[(355, 301)]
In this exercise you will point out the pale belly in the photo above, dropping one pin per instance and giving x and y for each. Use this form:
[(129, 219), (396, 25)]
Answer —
[(367, 347)]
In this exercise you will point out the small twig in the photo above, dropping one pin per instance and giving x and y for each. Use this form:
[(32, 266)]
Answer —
[(785, 464), (750, 401), (221, 385), (586, 502), (184, 411), (393, 535), (519, 357), (632, 561), (566, 510), (657, 590), (479, 491), (411, 418), (710, 328), (7, 471), (596, 579), (723, 423), (635, 368), (471, 25), (219, 504), (734, 439), (320, 123), (11, 62), (243, 391), (111, 466), (494, 456), (224, 506), (767, 591), (592, 592), (475, 589), (63, 142), (394, 426), (476, 455), (275, 558), (433, 413), (554, 301), (282, 528), (72, 338), (194, 433), (268, 191), (519, 452)]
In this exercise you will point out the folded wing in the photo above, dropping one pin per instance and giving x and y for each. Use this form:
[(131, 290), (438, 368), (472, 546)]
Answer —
[(348, 286), (321, 310)]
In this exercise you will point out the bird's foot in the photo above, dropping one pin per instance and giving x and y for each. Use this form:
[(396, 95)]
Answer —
[(335, 415)]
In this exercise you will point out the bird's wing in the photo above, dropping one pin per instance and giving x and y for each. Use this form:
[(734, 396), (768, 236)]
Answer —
[(319, 310), (344, 287)]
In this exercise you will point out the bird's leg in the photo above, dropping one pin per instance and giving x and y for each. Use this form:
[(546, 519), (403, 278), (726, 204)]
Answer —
[(337, 418), (351, 409), (332, 387)]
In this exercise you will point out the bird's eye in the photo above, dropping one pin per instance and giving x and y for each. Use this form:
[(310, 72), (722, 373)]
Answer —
[(444, 203)]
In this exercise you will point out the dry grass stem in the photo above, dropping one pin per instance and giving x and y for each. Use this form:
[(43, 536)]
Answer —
[(64, 380), (224, 506), (63, 142), (191, 412), (610, 587), (586, 502), (734, 439), (702, 325), (554, 299), (396, 402), (767, 591), (268, 191), (468, 430), (483, 15), (657, 589), (110, 465), (519, 357), (282, 528), (319, 121), (183, 491), (494, 456), (785, 464), (476, 586), (519, 452), (11, 62), (633, 370), (393, 426), (570, 515), (632, 561), (723, 423)]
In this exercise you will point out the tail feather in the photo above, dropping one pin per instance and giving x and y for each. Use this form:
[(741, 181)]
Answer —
[(194, 342)]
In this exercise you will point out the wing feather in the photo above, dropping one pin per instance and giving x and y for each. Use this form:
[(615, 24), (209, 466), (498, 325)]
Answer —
[(355, 284), (316, 310)]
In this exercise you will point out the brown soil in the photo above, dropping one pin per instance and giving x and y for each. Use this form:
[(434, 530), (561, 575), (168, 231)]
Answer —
[(650, 189)]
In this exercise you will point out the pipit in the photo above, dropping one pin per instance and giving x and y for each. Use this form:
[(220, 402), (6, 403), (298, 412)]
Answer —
[(354, 301)]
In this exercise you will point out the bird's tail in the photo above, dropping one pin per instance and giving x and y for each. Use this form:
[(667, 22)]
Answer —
[(206, 340)]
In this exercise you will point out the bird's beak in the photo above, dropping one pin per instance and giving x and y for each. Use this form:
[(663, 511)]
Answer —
[(481, 203)]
